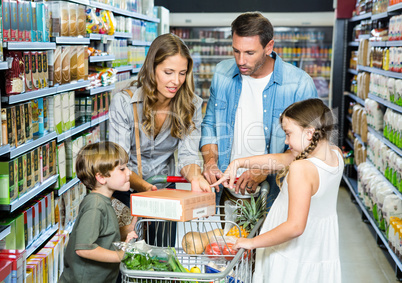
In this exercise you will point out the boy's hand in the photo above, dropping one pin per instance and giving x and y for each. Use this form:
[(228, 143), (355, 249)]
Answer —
[(130, 236)]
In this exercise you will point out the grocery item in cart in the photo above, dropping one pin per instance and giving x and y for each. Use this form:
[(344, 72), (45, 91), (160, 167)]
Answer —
[(172, 204)]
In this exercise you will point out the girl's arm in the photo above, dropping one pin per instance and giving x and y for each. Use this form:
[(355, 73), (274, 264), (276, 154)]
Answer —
[(302, 181), (266, 162), (101, 254), (192, 173)]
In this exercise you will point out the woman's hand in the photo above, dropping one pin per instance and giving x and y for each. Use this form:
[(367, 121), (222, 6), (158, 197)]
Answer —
[(229, 177), (130, 236), (199, 184), (244, 243)]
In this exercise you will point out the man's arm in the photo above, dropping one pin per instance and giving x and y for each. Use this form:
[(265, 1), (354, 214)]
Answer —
[(211, 171)]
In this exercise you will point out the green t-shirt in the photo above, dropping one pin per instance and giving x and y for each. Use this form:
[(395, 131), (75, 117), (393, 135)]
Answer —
[(96, 225)]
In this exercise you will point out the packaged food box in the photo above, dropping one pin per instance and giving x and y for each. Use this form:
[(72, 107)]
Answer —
[(171, 204)]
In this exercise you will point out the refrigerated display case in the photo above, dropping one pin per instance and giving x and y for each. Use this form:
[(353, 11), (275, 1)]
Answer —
[(309, 48)]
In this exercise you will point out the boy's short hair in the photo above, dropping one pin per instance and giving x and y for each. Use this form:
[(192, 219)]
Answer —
[(101, 157)]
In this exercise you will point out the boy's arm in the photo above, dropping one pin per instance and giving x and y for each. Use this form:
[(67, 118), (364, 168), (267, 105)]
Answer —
[(101, 254)]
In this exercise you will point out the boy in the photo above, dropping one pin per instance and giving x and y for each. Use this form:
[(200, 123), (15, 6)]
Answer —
[(89, 256)]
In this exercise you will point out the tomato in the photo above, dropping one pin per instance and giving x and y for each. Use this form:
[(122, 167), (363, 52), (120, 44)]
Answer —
[(230, 252), (213, 249)]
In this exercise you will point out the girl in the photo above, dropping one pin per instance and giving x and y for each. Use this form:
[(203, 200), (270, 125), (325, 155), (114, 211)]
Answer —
[(298, 241)]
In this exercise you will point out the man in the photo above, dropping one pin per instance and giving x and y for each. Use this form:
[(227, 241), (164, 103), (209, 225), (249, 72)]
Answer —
[(247, 96)]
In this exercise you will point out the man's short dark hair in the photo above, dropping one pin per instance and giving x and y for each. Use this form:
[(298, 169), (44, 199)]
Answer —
[(251, 24)]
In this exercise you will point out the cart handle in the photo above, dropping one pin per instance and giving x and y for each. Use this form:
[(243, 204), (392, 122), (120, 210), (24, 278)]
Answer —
[(168, 179)]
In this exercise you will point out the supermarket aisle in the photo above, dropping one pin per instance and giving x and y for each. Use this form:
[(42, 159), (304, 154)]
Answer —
[(361, 259)]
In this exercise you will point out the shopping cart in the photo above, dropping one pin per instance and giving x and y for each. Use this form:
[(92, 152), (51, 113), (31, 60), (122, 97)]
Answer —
[(214, 268)]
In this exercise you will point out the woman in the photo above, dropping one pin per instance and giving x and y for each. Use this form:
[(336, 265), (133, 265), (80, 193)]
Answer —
[(169, 117)]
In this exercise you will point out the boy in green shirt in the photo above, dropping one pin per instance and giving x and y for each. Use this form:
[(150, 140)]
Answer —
[(89, 256)]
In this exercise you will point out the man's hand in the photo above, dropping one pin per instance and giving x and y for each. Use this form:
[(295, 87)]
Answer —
[(249, 181), (212, 173)]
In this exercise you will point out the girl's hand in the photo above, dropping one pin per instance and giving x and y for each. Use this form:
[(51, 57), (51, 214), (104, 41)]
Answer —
[(199, 184), (131, 236), (229, 177), (243, 243)]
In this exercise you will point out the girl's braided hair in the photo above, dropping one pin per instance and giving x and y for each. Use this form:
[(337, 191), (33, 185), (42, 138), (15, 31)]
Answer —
[(308, 113)]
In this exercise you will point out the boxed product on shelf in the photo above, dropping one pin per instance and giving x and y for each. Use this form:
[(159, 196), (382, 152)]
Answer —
[(34, 23), (5, 270), (34, 269), (45, 73), (42, 214), (4, 137), (65, 65), (81, 20), (45, 114), (47, 258), (5, 4), (27, 213), (16, 239), (65, 106), (57, 66), (54, 247), (29, 171), (44, 151), (27, 20), (36, 165), (40, 122), (71, 105), (15, 74), (9, 181), (11, 125), (35, 117), (50, 113), (14, 20), (52, 158), (28, 71), (18, 265), (39, 266), (21, 27), (58, 119), (61, 164), (73, 63), (19, 125), (72, 19), (80, 62), (35, 71), (35, 220), (21, 165)]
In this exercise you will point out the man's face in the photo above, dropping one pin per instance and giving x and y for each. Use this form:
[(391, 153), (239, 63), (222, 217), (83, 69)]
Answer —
[(251, 57)]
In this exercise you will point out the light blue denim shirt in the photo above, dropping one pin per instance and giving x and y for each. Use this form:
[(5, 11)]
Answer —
[(287, 85)]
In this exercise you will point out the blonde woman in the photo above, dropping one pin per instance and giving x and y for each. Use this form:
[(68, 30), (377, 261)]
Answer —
[(169, 117)]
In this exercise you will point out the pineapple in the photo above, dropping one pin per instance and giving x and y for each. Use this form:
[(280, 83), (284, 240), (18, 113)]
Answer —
[(248, 215)]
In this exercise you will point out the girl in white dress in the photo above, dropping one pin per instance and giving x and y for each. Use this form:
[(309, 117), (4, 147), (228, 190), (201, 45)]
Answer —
[(299, 241)]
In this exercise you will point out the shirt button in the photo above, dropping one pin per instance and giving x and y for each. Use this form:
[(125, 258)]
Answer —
[(265, 95), (216, 104), (265, 110), (266, 128)]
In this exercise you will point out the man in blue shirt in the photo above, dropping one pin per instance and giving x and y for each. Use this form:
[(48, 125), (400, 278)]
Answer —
[(247, 96)]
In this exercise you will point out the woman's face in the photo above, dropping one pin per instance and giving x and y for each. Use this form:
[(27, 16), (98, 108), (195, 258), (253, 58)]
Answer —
[(170, 76)]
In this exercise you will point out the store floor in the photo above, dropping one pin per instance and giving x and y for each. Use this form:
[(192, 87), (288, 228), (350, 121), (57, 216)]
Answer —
[(361, 259)]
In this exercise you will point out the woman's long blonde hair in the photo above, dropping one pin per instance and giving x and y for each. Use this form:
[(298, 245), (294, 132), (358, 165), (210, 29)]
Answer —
[(182, 107), (308, 113)]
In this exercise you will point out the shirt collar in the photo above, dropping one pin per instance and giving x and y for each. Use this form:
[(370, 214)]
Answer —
[(276, 74), (137, 95)]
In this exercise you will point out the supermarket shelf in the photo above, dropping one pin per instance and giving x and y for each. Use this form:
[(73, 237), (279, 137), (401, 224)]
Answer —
[(221, 57), (100, 5), (69, 227), (4, 149), (30, 45), (42, 239), (381, 137), (136, 70), (72, 86), (73, 131), (99, 120), (29, 195), (378, 43), (12, 99), (106, 58), (355, 98), (100, 89), (353, 71), (211, 40), (96, 36), (360, 140), (67, 186), (353, 43), (352, 184), (70, 40), (395, 190), (380, 72), (123, 35), (364, 36), (4, 231), (395, 7), (394, 43), (3, 65), (140, 43), (82, 2), (123, 68), (387, 103), (349, 143), (16, 151), (379, 16)]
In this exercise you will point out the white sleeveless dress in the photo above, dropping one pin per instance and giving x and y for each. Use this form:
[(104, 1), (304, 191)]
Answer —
[(312, 257)]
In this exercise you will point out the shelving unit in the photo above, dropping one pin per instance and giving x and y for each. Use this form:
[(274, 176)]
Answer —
[(342, 75), (67, 186), (70, 40), (94, 59), (49, 233), (4, 231)]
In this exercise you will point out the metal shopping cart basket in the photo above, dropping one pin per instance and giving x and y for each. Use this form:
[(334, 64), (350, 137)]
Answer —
[(215, 268)]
